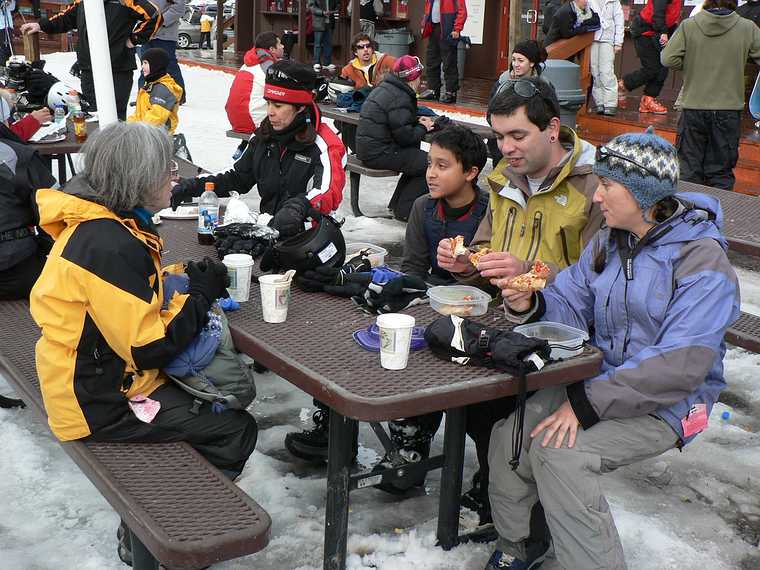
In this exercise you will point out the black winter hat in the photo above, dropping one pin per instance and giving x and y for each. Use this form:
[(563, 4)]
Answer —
[(290, 82), (158, 60), (533, 50)]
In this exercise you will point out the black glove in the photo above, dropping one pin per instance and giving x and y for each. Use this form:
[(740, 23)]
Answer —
[(289, 219), (208, 278), (397, 294), (39, 83), (184, 191), (75, 70), (441, 122), (318, 279), (252, 239)]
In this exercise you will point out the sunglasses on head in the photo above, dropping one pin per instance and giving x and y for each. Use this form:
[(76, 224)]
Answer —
[(603, 154), (527, 90)]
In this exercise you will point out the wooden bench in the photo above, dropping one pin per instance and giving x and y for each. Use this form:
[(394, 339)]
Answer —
[(181, 510), (356, 169)]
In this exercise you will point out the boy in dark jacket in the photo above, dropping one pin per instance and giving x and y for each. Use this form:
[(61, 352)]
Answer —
[(454, 206)]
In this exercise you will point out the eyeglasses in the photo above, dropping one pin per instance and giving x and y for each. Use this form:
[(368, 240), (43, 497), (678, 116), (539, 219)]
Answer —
[(527, 90), (363, 46), (603, 154)]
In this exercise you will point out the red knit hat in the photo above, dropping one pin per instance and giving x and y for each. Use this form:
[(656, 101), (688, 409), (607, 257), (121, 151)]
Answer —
[(408, 67)]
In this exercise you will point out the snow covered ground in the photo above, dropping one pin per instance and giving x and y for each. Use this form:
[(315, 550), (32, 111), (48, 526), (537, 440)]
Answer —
[(696, 509)]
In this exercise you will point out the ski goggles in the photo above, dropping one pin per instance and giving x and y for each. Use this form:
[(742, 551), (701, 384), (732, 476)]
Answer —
[(604, 153), (527, 90)]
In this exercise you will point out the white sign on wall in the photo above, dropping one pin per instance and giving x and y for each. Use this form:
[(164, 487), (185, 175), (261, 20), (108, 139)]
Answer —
[(473, 27)]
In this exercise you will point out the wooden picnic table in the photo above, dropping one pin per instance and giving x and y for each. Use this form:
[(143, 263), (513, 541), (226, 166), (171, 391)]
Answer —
[(315, 351), (741, 217), (339, 115), (62, 150)]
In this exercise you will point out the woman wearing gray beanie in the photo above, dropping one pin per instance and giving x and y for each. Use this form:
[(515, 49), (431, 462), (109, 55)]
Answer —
[(656, 292)]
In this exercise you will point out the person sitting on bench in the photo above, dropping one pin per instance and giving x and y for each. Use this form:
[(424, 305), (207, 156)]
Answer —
[(390, 132), (660, 267), (98, 302), (22, 248), (369, 67), (296, 162)]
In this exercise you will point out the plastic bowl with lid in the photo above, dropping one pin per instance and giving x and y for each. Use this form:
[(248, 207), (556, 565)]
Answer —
[(565, 341), (375, 253), (461, 300)]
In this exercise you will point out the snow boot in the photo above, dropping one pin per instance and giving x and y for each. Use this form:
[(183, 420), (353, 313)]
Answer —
[(476, 499), (311, 445), (449, 97), (651, 105), (513, 556)]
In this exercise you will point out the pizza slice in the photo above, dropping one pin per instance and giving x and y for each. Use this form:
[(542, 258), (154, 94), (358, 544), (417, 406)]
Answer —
[(533, 280), (540, 269), (457, 246), (475, 257)]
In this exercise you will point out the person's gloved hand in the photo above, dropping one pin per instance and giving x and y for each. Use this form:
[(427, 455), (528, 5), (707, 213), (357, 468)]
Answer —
[(351, 285), (184, 191), (208, 278), (289, 219), (397, 294)]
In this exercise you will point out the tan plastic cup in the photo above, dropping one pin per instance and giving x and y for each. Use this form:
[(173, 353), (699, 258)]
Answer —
[(395, 340), (275, 297), (239, 268)]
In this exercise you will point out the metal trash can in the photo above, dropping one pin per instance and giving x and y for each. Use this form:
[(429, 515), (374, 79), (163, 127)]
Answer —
[(565, 76), (394, 42)]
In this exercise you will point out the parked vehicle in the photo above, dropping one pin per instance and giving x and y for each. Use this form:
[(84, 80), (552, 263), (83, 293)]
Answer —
[(190, 27)]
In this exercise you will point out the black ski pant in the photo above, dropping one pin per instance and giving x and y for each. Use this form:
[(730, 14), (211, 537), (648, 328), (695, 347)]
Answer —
[(708, 146), (411, 162), (441, 51), (652, 74), (122, 87), (16, 282), (226, 440)]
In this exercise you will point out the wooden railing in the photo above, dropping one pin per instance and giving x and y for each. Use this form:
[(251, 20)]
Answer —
[(578, 48)]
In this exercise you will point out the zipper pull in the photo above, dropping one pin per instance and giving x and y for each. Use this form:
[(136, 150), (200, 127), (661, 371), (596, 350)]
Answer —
[(522, 230), (98, 367)]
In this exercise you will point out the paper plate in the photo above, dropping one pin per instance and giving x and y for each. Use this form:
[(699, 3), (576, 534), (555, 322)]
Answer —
[(181, 213), (51, 139)]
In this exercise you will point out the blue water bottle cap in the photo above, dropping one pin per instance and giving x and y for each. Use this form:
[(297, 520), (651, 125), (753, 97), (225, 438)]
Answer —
[(725, 415)]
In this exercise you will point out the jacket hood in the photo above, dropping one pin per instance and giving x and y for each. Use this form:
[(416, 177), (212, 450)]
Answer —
[(714, 24), (61, 209), (699, 216), (169, 82), (255, 56)]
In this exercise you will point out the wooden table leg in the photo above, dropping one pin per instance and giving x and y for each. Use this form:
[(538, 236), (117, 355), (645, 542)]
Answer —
[(340, 455), (451, 478)]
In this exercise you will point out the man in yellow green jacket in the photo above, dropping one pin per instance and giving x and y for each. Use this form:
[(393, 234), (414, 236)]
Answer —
[(540, 207)]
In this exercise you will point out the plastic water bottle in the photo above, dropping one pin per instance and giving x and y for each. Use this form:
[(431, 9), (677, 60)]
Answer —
[(208, 215), (725, 417), (59, 115)]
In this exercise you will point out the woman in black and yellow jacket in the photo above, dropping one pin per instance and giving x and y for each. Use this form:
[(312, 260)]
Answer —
[(98, 303)]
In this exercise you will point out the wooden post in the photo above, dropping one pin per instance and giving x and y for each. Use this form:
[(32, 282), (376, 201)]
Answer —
[(219, 30), (302, 31), (515, 11), (31, 47), (354, 19)]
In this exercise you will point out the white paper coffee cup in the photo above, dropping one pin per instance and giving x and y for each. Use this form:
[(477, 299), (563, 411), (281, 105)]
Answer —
[(395, 339), (275, 298), (239, 268)]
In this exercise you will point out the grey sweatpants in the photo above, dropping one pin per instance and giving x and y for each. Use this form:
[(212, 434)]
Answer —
[(567, 481)]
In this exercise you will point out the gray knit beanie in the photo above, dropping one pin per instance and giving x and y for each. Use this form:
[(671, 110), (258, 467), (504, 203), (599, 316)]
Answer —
[(644, 163)]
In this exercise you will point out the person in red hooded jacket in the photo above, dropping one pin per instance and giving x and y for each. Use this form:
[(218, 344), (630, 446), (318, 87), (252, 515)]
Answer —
[(442, 25), (245, 106)]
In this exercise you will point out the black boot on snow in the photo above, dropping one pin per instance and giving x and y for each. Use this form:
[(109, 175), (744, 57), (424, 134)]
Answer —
[(476, 499), (311, 445)]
